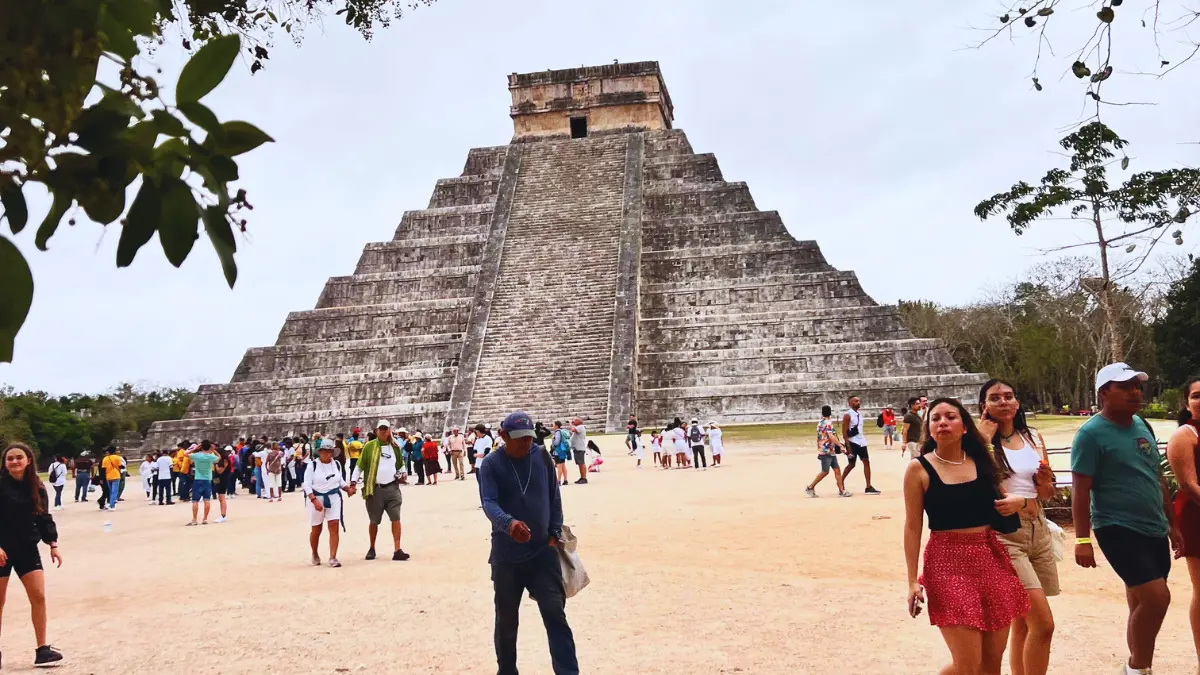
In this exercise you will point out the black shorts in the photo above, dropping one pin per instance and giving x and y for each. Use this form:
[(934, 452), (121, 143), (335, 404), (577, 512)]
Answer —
[(856, 452), (1135, 557), (23, 560)]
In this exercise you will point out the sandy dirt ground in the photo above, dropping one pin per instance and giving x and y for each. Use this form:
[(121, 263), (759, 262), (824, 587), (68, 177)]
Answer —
[(732, 570)]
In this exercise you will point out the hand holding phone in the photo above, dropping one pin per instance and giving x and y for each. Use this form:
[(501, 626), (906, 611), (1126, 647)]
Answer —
[(916, 600)]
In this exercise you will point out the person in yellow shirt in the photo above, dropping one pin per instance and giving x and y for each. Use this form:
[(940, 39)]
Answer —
[(111, 466), (185, 472), (354, 449)]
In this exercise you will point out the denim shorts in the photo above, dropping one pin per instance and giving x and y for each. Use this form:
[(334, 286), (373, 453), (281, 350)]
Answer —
[(202, 489), (828, 461)]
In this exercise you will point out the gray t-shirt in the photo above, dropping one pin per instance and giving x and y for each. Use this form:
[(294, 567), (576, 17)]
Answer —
[(579, 438)]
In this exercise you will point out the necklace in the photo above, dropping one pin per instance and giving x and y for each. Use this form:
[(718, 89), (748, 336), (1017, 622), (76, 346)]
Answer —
[(1011, 436), (941, 459), (516, 475)]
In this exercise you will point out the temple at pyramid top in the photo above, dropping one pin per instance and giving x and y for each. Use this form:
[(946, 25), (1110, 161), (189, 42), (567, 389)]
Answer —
[(579, 102), (596, 266)]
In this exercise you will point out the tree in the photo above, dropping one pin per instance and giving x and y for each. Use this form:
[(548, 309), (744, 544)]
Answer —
[(1177, 333), (89, 157), (1137, 211)]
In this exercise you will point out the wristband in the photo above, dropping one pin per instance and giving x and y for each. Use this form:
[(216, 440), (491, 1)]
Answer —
[(1083, 540)]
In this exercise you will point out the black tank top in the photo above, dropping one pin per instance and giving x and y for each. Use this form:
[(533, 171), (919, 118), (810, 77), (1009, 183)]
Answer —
[(958, 506)]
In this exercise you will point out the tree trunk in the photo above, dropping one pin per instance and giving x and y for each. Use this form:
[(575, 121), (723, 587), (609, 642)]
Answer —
[(1116, 348)]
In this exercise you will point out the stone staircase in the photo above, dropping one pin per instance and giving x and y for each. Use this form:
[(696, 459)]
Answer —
[(549, 339), (382, 342), (740, 322)]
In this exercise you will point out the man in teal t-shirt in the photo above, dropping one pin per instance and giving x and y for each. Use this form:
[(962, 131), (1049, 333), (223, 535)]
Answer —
[(1118, 489), (203, 458)]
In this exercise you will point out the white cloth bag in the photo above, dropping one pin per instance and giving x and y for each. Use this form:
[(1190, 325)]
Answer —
[(1058, 537), (575, 577)]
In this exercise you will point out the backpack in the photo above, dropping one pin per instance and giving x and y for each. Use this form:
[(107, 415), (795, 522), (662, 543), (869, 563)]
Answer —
[(879, 420), (275, 462), (696, 436)]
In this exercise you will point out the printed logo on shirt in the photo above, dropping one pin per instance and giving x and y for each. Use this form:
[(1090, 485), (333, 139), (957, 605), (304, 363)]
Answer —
[(1145, 445), (384, 454)]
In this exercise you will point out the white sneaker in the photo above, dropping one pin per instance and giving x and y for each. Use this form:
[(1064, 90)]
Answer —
[(221, 519), (1129, 670)]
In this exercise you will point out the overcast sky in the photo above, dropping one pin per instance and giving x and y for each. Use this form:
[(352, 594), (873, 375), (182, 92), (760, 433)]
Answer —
[(866, 124)]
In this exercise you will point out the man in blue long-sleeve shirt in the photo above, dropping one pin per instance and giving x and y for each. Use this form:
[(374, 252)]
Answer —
[(520, 497)]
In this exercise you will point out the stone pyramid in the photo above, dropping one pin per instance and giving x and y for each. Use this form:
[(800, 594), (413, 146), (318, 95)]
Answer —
[(594, 267)]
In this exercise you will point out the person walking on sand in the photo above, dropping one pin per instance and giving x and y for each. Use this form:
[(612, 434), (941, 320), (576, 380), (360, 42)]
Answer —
[(696, 438), (164, 463), (111, 466), (579, 449), (379, 471), (24, 521), (1118, 488), (57, 475), (888, 418), (912, 428), (323, 486), (223, 474), (1181, 453), (715, 442), (519, 493), (1025, 472), (974, 592), (203, 458), (429, 455), (146, 472), (273, 471), (457, 445), (560, 450), (633, 441), (828, 448), (83, 477), (856, 443)]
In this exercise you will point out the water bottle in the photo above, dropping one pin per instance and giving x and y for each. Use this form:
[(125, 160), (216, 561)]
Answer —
[(107, 526)]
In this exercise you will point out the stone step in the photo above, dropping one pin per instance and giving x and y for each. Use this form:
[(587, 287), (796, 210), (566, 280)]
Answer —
[(330, 358), (485, 161), (792, 350), (413, 254), (798, 401), (445, 283), (717, 229), (683, 169), (822, 290), (361, 322), (472, 219), (464, 190), (665, 143), (732, 262), (668, 199), (766, 281)]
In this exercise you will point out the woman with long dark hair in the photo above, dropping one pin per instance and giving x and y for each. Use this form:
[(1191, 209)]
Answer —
[(1026, 478), (1181, 453), (974, 592), (24, 520)]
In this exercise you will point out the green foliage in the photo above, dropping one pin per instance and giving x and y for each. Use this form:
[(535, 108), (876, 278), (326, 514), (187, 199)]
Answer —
[(68, 425), (89, 156), (1177, 332)]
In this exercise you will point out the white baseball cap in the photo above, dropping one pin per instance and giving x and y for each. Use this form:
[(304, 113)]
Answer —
[(383, 423), (1118, 372)]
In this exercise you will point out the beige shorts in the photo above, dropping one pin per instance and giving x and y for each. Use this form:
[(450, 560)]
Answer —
[(913, 448), (1032, 551)]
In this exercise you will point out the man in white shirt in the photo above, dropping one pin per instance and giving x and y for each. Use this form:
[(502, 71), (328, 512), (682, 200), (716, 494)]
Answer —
[(579, 448), (378, 471), (856, 443), (164, 478)]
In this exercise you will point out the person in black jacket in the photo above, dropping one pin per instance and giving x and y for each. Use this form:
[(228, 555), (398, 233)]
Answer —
[(24, 520)]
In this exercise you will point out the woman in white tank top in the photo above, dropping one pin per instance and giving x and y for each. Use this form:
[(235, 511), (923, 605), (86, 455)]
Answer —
[(1181, 453), (1027, 479)]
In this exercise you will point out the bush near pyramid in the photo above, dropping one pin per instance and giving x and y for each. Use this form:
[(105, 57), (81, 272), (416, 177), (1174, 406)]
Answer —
[(594, 267)]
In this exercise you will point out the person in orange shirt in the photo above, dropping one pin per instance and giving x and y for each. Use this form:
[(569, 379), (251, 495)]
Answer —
[(111, 466), (185, 471), (888, 417)]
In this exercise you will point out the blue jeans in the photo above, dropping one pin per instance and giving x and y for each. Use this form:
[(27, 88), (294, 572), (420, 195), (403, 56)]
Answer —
[(542, 577), (58, 494), (258, 481), (114, 491), (81, 487), (185, 486)]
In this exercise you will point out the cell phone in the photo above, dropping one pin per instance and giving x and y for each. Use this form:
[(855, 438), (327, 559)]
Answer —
[(916, 604)]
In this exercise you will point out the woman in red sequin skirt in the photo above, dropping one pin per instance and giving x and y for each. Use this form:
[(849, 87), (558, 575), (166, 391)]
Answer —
[(1182, 452), (974, 592)]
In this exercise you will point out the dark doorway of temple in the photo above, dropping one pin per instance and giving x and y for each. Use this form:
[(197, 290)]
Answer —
[(578, 127)]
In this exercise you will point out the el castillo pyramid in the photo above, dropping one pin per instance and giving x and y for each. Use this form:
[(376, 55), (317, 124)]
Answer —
[(594, 267)]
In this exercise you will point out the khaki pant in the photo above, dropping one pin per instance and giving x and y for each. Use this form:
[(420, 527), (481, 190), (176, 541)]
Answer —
[(1032, 551), (456, 459)]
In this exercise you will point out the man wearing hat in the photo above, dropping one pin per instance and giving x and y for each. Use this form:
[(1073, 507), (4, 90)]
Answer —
[(378, 472), (1118, 490), (520, 497)]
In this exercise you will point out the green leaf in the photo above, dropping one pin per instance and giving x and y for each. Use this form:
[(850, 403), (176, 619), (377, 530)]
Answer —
[(14, 206), (224, 168), (1079, 69), (1130, 248), (171, 157), (118, 39), (136, 15), (207, 67), (239, 137), (168, 124), (119, 103), (103, 201), (17, 282), (1005, 19), (201, 116), (140, 222), (1045, 11), (58, 209), (216, 224), (1106, 14), (177, 229), (1030, 22), (1124, 162)]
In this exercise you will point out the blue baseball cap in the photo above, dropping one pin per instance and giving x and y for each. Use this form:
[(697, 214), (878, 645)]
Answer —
[(517, 425)]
